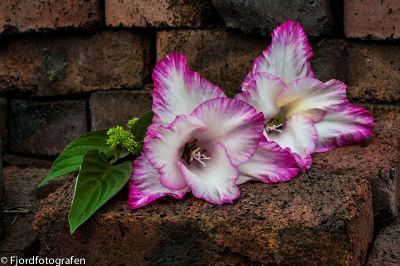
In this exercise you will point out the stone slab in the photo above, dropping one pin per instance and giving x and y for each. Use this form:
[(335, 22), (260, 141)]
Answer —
[(386, 248), (376, 160), (315, 219), (20, 204)]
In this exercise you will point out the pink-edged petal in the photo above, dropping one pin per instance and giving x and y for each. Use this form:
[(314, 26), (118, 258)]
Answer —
[(288, 55), (304, 162), (300, 136), (270, 164), (312, 97), (233, 123), (216, 182), (347, 125), (260, 90), (145, 186), (178, 90), (163, 146)]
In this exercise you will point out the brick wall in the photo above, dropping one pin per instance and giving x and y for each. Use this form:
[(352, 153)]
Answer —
[(64, 66), (67, 67)]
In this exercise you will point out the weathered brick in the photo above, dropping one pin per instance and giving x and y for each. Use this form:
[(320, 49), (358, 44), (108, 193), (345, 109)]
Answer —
[(45, 128), (3, 120), (373, 71), (57, 65), (313, 220), (223, 57), (20, 205), (263, 16), (158, 13), (36, 15), (328, 59), (377, 161), (372, 19), (108, 109), (25, 162), (386, 248)]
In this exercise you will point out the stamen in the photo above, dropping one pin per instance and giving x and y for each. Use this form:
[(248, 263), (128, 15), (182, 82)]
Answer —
[(196, 155), (276, 128)]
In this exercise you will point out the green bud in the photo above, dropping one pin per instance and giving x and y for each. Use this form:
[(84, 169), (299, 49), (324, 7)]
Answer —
[(132, 122), (119, 138)]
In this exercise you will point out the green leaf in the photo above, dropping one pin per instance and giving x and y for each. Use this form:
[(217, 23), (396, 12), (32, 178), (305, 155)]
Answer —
[(71, 158), (97, 182), (140, 127)]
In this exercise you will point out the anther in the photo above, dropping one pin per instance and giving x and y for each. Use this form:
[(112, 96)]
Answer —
[(276, 128), (196, 155)]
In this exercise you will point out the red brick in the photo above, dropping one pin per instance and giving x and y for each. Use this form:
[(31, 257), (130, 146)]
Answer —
[(223, 57), (3, 120), (372, 19), (20, 205), (371, 70), (75, 63), (313, 220), (45, 128), (317, 16), (157, 13), (25, 162), (376, 160), (36, 15), (111, 108), (386, 248), (328, 59)]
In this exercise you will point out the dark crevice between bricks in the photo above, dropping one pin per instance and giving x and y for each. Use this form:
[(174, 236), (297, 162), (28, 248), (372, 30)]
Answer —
[(337, 8), (56, 98), (13, 35), (377, 230), (214, 18), (102, 13), (88, 116), (25, 161), (152, 56), (1, 190)]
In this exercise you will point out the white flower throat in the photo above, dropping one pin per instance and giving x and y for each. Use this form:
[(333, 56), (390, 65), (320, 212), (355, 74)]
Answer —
[(193, 153)]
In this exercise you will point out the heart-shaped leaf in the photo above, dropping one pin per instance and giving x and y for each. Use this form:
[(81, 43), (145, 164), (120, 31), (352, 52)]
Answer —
[(97, 182), (140, 127), (71, 158)]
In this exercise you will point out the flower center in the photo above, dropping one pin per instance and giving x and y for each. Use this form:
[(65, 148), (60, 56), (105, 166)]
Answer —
[(275, 124), (192, 152)]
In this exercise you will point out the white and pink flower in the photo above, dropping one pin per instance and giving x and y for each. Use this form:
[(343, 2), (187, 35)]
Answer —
[(199, 139), (301, 113)]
